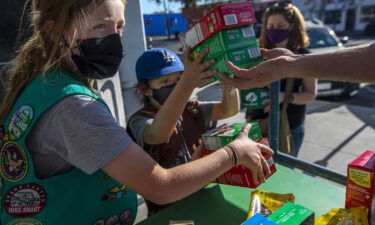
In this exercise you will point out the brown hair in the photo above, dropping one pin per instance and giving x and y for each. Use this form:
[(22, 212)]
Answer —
[(44, 50), (297, 38)]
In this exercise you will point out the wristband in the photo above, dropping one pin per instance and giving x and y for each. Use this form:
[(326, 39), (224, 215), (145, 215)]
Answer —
[(235, 154), (230, 154)]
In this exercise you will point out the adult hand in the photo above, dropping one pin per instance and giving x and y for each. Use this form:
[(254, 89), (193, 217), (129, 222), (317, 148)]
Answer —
[(195, 73), (250, 155), (274, 68)]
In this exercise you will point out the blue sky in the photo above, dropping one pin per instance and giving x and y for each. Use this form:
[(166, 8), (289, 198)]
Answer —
[(149, 6)]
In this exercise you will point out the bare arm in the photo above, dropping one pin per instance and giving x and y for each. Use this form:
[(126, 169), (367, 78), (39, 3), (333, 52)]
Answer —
[(352, 64), (229, 105), (170, 112), (308, 93), (138, 171)]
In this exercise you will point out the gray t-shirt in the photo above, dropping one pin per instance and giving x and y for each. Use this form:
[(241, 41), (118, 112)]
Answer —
[(138, 124), (76, 132)]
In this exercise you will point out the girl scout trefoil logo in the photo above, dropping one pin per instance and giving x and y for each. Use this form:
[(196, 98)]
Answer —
[(25, 200), (13, 162), (19, 122), (26, 221)]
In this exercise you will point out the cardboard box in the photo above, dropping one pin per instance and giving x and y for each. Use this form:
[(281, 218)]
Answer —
[(240, 175), (226, 40), (360, 184), (258, 219), (224, 134), (293, 214), (244, 58), (255, 98), (222, 17)]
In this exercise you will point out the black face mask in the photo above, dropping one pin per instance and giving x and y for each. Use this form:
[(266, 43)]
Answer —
[(162, 93), (99, 57)]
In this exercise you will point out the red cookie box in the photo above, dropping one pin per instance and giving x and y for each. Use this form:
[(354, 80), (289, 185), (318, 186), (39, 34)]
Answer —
[(223, 16), (360, 184), (240, 175)]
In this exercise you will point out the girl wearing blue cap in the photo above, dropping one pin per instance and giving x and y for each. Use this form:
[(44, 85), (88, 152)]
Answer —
[(59, 142), (169, 126)]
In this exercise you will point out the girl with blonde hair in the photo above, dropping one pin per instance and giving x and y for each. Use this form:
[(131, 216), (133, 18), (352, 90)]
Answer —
[(64, 158)]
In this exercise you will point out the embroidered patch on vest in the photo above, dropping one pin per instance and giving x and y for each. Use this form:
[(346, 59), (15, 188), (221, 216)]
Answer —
[(125, 216), (13, 161), (115, 193), (20, 121), (25, 200), (27, 221), (123, 219)]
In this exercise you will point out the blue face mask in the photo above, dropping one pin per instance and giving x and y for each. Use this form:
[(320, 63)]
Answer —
[(162, 93)]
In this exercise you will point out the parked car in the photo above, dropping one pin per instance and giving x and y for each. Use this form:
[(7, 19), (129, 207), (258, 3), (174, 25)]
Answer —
[(322, 38)]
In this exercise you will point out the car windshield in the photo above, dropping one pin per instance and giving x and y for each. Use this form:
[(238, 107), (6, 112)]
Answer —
[(320, 38)]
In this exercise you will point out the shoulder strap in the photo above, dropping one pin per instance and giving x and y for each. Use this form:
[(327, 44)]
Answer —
[(289, 84)]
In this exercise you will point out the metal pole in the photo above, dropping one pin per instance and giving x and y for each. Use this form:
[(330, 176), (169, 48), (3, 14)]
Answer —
[(166, 19), (274, 116), (311, 168)]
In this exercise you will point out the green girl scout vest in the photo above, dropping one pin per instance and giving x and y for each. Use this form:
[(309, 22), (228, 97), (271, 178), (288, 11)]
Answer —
[(68, 199)]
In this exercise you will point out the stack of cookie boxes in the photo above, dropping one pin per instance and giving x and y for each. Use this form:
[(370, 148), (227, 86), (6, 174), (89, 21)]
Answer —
[(227, 31)]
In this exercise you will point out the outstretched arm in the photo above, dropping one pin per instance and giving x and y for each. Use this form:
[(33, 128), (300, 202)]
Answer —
[(137, 170), (352, 64), (166, 118)]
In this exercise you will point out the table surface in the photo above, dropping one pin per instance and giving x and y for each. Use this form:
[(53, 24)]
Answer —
[(224, 204)]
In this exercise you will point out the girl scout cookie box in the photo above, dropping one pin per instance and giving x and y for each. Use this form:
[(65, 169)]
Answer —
[(255, 98), (240, 175), (244, 58), (360, 184), (224, 134), (226, 40), (222, 17), (293, 214)]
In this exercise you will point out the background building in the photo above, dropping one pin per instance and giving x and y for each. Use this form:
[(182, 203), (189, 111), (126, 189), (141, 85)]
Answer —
[(155, 24), (340, 15)]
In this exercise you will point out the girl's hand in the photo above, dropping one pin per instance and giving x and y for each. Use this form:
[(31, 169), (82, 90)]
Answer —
[(195, 73), (250, 155)]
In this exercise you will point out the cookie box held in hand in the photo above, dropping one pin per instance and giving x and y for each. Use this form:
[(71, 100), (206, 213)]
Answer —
[(240, 175), (223, 16), (360, 184), (226, 40)]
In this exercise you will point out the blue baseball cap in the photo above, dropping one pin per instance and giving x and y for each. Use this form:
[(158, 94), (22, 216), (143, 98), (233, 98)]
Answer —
[(157, 62)]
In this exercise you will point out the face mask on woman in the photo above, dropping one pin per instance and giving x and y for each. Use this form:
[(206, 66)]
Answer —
[(276, 36), (162, 93), (99, 57)]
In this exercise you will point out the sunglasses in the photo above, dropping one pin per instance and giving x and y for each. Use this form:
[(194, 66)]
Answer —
[(279, 3)]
